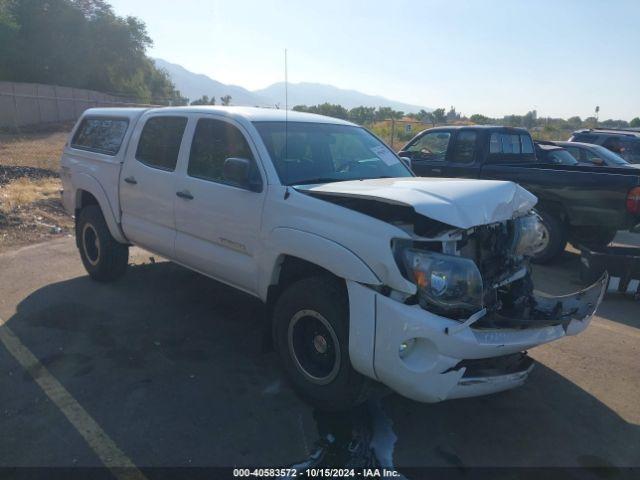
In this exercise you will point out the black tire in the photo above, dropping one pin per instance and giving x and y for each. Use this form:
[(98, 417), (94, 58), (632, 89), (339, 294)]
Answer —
[(104, 258), (316, 375), (595, 238), (556, 238)]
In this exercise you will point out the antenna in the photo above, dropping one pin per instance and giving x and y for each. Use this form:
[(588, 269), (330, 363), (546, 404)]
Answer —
[(286, 83), (286, 123)]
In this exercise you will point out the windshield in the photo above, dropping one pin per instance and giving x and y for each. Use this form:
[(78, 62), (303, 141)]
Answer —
[(323, 152), (609, 157)]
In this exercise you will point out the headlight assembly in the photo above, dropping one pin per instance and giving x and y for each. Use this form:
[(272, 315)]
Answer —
[(447, 285), (528, 236)]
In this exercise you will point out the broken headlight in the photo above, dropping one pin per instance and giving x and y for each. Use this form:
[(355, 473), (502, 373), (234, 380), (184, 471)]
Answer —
[(529, 237), (447, 285)]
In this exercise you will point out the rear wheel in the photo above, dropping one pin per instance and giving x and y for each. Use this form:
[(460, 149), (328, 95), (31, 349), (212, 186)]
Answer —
[(104, 258), (311, 331), (554, 238)]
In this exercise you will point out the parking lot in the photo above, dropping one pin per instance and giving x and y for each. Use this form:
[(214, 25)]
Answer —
[(169, 368)]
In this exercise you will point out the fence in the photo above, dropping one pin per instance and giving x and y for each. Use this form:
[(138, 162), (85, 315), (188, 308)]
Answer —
[(25, 104), (397, 132)]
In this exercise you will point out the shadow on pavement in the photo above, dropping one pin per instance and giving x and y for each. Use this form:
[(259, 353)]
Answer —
[(172, 365)]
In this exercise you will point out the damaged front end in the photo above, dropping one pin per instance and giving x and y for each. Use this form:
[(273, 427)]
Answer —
[(481, 276)]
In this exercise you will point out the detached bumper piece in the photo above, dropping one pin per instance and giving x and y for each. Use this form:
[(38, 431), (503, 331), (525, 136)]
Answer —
[(545, 310), (622, 263), (491, 375)]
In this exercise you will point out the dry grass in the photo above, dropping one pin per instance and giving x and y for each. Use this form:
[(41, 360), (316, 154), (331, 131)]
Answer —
[(39, 149), (23, 192), (31, 212)]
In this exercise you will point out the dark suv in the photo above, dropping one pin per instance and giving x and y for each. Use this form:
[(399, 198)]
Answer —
[(625, 143)]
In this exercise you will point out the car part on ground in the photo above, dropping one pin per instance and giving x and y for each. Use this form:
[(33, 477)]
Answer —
[(622, 264)]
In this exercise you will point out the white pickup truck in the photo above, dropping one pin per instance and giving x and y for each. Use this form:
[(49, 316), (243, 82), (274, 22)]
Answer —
[(368, 272)]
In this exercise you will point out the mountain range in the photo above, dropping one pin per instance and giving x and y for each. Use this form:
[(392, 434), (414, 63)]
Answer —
[(195, 85)]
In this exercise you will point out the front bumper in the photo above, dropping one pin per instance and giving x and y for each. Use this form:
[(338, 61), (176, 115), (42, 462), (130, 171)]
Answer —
[(433, 369)]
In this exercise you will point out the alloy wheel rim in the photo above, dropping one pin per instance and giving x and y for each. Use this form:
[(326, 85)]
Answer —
[(314, 347), (91, 244)]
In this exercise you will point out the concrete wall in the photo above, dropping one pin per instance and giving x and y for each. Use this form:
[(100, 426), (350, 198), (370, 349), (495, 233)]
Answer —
[(24, 104)]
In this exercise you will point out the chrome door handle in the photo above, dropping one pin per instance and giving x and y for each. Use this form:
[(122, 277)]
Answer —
[(131, 180), (185, 194)]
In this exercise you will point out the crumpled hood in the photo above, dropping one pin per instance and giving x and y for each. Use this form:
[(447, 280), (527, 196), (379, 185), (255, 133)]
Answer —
[(457, 202)]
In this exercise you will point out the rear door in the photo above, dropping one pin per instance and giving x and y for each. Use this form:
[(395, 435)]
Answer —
[(148, 182), (218, 223)]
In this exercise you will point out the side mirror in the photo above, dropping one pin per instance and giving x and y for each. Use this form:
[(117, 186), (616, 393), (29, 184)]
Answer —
[(597, 161), (406, 161), (237, 171)]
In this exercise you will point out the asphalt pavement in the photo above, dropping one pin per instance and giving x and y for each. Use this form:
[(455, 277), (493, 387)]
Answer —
[(168, 368)]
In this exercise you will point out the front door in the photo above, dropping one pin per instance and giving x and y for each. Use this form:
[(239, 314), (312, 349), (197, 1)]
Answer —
[(217, 223), (147, 183), (428, 152)]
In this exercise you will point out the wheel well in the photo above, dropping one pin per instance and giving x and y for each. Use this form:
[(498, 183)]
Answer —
[(85, 198), (555, 209), (291, 269)]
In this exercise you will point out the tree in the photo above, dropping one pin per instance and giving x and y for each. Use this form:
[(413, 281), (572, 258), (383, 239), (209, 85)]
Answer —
[(225, 100), (439, 116), (479, 119), (574, 122), (80, 43), (635, 123), (452, 115), (362, 115), (530, 119), (204, 100)]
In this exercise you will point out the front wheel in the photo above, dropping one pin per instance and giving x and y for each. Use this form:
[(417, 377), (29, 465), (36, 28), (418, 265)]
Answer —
[(311, 331), (554, 238), (104, 258)]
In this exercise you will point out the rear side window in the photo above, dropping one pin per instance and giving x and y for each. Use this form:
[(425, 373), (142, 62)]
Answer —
[(464, 147), (160, 140), (100, 135), (510, 143), (213, 142), (584, 138)]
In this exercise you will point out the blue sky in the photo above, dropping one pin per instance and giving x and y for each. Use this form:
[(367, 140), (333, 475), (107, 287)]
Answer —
[(561, 57)]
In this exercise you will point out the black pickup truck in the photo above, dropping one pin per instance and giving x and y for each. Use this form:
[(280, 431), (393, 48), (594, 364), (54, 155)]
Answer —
[(581, 204)]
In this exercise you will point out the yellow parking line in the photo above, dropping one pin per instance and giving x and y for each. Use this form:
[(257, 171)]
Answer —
[(105, 448)]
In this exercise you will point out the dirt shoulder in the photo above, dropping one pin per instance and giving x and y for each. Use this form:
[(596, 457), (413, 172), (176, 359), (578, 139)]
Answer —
[(31, 210)]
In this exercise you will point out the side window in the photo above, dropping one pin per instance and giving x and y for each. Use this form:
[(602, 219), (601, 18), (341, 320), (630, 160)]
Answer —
[(584, 138), (431, 146), (213, 142), (576, 153), (464, 147), (510, 143), (616, 145), (100, 135), (160, 140)]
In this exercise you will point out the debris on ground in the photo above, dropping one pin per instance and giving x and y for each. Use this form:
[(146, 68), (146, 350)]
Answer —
[(31, 210)]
